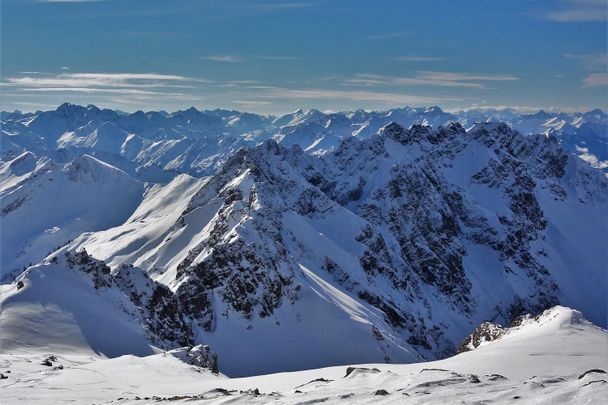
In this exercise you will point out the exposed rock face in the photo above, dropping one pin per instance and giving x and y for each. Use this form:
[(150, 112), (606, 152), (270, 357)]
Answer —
[(489, 332), (158, 309), (199, 355), (486, 332)]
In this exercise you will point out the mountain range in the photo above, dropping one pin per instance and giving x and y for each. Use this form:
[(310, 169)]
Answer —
[(156, 146), (359, 237)]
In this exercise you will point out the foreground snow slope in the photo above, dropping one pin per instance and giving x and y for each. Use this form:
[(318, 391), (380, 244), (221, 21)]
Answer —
[(557, 357)]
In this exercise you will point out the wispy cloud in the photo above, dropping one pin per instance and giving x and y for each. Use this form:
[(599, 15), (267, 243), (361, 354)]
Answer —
[(93, 90), (118, 84), (412, 58), (386, 98), (157, 90), (282, 5), (277, 57), (389, 35), (596, 65), (454, 76), (590, 61), (239, 83), (224, 58), (155, 34), (82, 80), (69, 1), (430, 78), (521, 109), (254, 103), (243, 59), (580, 11), (596, 80)]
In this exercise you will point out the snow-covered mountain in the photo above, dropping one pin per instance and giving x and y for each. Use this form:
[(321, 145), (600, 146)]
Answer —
[(585, 134), (157, 146), (152, 146), (391, 247), (45, 204)]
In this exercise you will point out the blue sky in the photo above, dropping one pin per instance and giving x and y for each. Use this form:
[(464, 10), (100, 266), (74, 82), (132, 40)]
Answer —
[(277, 56)]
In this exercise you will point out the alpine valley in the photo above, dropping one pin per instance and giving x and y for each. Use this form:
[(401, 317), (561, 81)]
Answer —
[(153, 255)]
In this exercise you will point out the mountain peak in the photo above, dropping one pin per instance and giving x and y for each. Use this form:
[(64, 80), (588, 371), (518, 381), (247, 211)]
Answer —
[(434, 110), (68, 109), (392, 128), (490, 127), (87, 169)]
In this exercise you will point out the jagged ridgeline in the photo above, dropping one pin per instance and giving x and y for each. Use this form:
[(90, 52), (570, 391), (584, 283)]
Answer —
[(390, 248)]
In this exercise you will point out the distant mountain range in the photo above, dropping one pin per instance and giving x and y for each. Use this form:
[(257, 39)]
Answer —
[(157, 146)]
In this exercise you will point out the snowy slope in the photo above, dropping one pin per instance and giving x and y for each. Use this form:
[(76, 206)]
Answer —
[(72, 303), (60, 311), (557, 357), (45, 204), (151, 237)]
